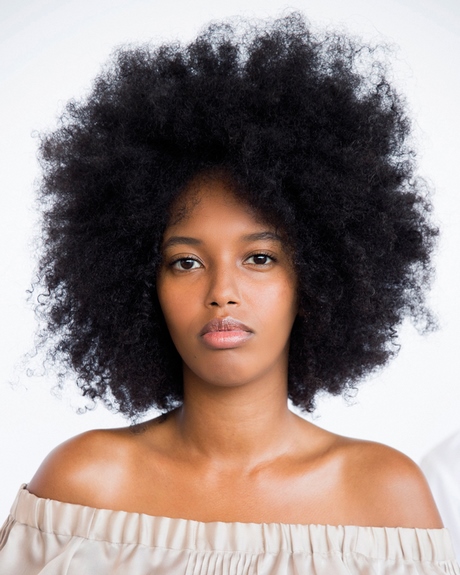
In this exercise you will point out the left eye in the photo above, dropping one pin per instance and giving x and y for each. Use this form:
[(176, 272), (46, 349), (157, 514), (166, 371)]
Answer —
[(260, 259), (185, 264)]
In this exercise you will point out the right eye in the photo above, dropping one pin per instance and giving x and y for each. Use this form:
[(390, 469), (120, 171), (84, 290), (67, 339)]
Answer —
[(185, 264)]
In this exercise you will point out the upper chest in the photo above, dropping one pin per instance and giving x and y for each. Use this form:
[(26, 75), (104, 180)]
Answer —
[(288, 491)]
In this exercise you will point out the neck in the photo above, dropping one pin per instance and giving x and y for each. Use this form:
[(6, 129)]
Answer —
[(243, 424)]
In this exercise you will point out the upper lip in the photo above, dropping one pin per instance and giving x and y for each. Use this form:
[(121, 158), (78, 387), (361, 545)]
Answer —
[(224, 324)]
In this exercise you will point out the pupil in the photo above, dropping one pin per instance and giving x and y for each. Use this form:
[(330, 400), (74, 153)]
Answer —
[(187, 264), (260, 259)]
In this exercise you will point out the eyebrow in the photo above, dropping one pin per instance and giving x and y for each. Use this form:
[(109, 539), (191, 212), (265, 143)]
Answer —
[(180, 240), (185, 240), (262, 236)]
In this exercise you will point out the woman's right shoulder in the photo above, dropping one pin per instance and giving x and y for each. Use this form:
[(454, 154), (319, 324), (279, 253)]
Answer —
[(85, 469)]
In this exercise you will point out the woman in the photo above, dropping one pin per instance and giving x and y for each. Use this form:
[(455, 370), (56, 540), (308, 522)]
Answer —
[(228, 225)]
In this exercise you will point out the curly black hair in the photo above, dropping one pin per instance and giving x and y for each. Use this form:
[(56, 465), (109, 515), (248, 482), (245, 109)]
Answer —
[(314, 138)]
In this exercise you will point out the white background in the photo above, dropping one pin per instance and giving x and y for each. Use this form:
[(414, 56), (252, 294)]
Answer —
[(50, 51)]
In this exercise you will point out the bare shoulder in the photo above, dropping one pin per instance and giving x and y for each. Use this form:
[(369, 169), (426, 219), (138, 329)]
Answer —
[(86, 469), (386, 487)]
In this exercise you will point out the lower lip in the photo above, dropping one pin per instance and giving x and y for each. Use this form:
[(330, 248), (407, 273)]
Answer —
[(225, 339)]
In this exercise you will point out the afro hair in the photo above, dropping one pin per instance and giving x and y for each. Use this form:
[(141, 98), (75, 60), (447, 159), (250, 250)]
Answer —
[(314, 138)]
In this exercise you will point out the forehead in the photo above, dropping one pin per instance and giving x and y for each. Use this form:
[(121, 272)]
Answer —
[(208, 199), (211, 211)]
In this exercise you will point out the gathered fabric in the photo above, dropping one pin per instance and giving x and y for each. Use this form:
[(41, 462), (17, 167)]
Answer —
[(47, 537)]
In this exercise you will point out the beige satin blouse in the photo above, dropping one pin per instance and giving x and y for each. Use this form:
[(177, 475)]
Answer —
[(46, 537)]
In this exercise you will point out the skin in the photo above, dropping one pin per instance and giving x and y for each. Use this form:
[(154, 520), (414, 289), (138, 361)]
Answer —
[(234, 451)]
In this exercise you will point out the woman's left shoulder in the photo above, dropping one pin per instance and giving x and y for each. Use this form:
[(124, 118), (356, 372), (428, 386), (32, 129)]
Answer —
[(388, 487)]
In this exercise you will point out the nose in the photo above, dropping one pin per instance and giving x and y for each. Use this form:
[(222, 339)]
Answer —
[(223, 288)]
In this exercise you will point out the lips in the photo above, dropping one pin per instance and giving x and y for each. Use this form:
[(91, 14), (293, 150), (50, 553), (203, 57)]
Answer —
[(224, 324), (225, 333)]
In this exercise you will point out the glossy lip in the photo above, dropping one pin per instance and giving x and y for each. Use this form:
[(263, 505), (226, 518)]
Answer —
[(224, 324), (225, 333)]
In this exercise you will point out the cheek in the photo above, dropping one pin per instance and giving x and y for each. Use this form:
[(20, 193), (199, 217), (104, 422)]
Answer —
[(177, 309), (276, 307), (168, 302)]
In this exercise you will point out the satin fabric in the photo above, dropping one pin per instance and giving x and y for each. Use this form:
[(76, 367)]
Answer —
[(47, 537)]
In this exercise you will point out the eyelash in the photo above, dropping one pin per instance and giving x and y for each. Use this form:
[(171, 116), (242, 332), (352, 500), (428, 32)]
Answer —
[(263, 254), (186, 259), (174, 263)]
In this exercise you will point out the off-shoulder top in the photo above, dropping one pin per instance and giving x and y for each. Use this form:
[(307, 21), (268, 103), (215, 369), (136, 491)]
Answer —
[(46, 537)]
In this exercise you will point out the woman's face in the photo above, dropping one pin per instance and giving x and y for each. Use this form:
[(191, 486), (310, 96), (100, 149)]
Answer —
[(227, 289)]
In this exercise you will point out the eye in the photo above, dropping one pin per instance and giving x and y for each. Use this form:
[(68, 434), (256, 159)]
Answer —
[(185, 264), (260, 259)]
